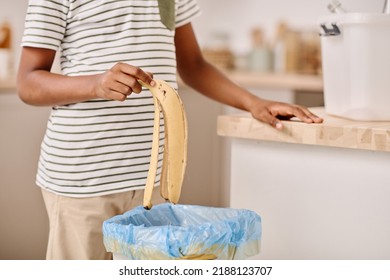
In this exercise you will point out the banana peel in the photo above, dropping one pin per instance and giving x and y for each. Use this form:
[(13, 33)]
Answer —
[(167, 101)]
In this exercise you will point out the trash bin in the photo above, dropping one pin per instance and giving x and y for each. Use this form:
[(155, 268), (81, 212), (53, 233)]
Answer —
[(169, 231)]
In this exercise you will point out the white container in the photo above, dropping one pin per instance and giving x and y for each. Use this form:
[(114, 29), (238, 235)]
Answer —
[(356, 65)]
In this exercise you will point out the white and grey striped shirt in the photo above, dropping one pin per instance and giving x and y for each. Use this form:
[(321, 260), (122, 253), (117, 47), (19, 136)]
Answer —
[(100, 147)]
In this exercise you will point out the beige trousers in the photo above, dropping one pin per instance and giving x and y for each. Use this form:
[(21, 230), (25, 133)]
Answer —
[(76, 223)]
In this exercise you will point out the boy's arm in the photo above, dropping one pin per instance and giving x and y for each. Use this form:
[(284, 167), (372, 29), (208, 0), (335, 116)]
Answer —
[(38, 86), (206, 79)]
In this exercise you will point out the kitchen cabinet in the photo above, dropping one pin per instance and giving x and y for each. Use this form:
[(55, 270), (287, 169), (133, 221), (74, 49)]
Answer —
[(321, 189)]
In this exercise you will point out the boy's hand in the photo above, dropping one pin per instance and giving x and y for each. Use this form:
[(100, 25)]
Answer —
[(272, 112), (120, 81)]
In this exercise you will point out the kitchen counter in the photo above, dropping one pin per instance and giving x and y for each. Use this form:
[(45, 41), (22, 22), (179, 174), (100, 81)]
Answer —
[(321, 189), (333, 132)]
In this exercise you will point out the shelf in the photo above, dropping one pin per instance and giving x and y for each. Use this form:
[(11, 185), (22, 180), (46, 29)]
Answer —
[(295, 82), (279, 81)]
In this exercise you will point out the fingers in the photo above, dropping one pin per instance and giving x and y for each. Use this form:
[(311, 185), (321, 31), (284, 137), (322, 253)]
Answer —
[(311, 116), (151, 75), (304, 114), (266, 116), (132, 74), (273, 112), (122, 80), (275, 122)]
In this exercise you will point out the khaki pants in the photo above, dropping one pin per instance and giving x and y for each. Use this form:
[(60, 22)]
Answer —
[(76, 223)]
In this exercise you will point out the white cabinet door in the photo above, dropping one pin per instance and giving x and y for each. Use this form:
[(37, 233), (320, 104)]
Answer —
[(315, 202)]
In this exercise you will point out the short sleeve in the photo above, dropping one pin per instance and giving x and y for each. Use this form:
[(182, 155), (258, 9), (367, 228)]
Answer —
[(45, 23), (186, 11)]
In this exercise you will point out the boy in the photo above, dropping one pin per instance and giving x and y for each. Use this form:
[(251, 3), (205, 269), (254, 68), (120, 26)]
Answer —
[(95, 153)]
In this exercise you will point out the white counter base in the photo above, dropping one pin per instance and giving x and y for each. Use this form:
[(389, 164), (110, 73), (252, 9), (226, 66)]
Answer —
[(315, 202)]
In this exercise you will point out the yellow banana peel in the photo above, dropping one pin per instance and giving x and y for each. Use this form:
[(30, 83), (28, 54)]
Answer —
[(168, 101)]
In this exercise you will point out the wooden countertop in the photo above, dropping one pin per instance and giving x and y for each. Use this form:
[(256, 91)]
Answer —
[(333, 132)]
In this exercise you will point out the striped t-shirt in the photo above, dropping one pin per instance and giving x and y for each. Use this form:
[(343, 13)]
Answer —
[(101, 146)]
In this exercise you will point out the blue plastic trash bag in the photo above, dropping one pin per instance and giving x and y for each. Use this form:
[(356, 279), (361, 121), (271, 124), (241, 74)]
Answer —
[(169, 231)]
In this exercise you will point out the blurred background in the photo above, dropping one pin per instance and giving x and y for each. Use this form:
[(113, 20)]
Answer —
[(259, 44)]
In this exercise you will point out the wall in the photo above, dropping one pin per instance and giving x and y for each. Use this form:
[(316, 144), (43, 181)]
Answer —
[(237, 18), (231, 16)]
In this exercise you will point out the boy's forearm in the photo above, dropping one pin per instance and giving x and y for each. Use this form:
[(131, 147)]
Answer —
[(205, 78), (42, 88), (211, 82)]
